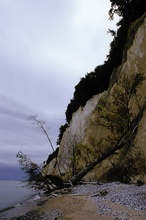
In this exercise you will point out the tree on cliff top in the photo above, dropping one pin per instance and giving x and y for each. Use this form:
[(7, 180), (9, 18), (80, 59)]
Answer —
[(129, 10)]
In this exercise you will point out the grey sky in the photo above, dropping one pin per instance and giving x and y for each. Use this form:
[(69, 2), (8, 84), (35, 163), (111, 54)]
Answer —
[(45, 48)]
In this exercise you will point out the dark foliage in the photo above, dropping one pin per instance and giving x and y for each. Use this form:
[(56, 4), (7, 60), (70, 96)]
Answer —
[(129, 10), (129, 166), (56, 180), (31, 169), (140, 182), (62, 129), (119, 174), (93, 83), (36, 178), (52, 156)]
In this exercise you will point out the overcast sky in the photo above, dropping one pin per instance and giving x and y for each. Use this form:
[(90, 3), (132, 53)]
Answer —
[(46, 46)]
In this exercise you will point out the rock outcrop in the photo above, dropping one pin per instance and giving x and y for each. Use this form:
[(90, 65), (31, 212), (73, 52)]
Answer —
[(99, 125)]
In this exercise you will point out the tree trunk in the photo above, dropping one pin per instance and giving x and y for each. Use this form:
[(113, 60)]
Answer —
[(84, 171), (125, 139)]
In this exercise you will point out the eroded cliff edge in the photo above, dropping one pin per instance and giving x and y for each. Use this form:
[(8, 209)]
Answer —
[(117, 113)]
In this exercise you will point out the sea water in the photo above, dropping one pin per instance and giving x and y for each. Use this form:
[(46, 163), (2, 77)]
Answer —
[(13, 193)]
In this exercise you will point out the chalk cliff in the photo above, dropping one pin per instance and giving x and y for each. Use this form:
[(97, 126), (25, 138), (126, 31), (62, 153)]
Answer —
[(101, 123)]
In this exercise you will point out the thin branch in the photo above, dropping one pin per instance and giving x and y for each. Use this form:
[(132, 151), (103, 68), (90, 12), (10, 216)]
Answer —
[(41, 125)]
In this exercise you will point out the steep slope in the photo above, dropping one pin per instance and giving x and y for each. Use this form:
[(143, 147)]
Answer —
[(117, 116)]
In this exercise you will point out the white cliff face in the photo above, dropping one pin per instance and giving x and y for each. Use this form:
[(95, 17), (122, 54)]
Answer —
[(136, 62), (80, 121), (138, 49), (80, 129), (76, 132), (73, 135)]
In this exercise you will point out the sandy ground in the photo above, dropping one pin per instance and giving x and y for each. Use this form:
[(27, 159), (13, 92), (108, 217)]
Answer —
[(74, 207), (80, 207)]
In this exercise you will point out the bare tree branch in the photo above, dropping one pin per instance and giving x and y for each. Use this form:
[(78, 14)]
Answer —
[(41, 126)]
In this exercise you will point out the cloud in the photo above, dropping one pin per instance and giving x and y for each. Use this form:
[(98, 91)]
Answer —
[(86, 13), (46, 47)]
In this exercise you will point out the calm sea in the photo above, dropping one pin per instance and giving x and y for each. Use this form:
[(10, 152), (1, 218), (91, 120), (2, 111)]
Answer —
[(13, 193)]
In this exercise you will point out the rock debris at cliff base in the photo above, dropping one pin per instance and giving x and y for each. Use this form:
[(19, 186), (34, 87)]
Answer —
[(116, 199)]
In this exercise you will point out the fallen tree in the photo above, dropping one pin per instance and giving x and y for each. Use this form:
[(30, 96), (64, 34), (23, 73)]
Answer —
[(123, 141), (126, 129)]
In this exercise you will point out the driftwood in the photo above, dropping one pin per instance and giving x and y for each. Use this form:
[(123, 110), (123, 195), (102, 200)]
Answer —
[(93, 183)]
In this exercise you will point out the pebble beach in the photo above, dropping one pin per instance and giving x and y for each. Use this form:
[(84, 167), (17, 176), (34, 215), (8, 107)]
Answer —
[(110, 201)]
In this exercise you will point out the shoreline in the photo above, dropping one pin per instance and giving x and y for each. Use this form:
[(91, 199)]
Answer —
[(32, 204), (111, 201)]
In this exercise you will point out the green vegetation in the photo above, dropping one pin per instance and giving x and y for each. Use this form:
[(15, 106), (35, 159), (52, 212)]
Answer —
[(36, 178), (129, 166)]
